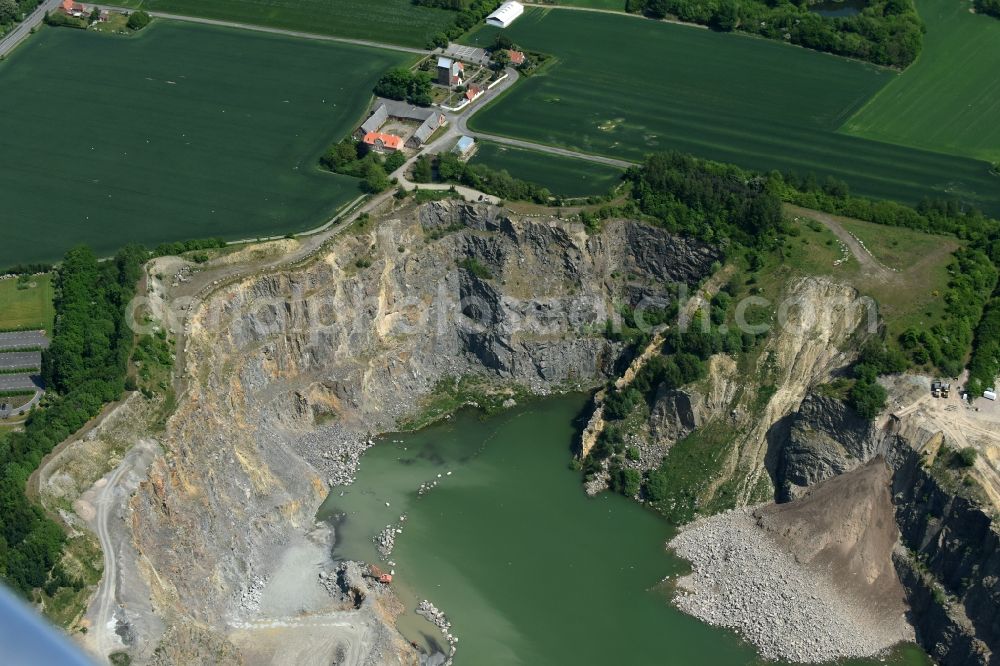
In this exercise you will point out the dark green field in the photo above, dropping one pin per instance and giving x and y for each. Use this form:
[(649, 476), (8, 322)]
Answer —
[(182, 131), (625, 86), (393, 21), (563, 176)]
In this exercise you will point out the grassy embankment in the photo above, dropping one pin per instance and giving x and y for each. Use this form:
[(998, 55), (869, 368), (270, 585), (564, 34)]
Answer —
[(732, 98), (215, 132)]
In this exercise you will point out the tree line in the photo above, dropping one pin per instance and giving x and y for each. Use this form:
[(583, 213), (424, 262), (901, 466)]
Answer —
[(84, 368), (990, 7), (468, 14), (450, 169), (12, 11), (886, 32)]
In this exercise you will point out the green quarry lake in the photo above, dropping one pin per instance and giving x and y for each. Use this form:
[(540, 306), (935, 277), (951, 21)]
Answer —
[(528, 569)]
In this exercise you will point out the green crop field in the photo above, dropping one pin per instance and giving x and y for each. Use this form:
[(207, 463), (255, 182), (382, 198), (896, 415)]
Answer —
[(183, 131), (949, 100), (625, 87), (616, 5), (393, 21), (27, 303), (564, 176)]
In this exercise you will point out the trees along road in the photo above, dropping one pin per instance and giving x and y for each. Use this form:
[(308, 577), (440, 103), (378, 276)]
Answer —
[(23, 29)]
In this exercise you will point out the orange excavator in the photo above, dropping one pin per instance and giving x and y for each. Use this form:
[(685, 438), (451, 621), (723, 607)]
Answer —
[(380, 576)]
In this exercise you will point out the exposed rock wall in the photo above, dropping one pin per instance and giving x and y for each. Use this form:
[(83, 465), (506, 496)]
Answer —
[(824, 438), (288, 373), (952, 546), (949, 555)]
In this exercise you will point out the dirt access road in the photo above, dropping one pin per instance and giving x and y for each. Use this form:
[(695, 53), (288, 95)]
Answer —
[(103, 507)]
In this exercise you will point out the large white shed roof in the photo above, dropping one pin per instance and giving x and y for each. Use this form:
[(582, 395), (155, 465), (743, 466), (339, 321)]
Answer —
[(505, 14)]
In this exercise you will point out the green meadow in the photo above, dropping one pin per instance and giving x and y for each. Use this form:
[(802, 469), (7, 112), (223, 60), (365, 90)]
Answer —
[(393, 21), (27, 303), (949, 99), (182, 131), (563, 176), (624, 87)]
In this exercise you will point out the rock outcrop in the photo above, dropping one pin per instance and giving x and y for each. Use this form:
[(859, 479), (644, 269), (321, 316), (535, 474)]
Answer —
[(675, 414), (825, 438), (288, 374)]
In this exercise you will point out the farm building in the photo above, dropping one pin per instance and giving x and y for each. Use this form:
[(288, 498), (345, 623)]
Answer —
[(424, 132), (473, 93), (450, 71), (380, 142), (430, 120), (506, 14), (73, 8), (375, 121), (464, 145)]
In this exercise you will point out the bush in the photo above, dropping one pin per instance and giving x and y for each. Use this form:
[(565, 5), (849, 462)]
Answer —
[(475, 267), (867, 397), (625, 481), (967, 456), (138, 20)]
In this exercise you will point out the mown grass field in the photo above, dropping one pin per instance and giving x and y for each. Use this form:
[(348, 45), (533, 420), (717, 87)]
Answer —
[(949, 100), (30, 307), (393, 21), (625, 87), (182, 131), (563, 176)]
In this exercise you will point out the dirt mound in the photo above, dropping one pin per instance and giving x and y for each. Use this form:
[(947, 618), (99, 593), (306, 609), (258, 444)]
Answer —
[(845, 527)]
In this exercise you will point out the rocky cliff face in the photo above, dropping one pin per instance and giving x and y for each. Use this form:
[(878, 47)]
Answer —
[(288, 373), (949, 555), (950, 563), (823, 438)]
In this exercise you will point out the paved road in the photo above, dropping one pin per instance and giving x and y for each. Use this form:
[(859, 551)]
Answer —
[(13, 360), (23, 29), (274, 31), (20, 382), (23, 339)]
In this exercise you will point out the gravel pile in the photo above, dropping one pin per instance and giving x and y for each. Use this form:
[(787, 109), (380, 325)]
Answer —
[(385, 540), (742, 580), (335, 452)]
